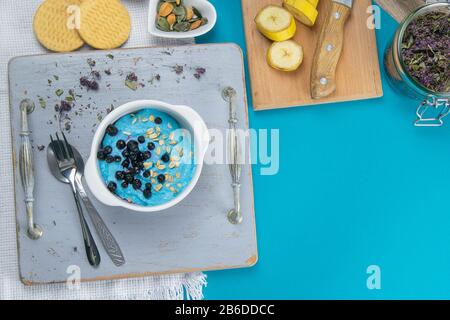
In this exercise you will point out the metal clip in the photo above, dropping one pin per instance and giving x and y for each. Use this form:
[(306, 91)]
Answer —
[(440, 106)]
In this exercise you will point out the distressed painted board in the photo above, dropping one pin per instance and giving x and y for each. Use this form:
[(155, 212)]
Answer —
[(358, 72), (195, 235), (400, 9)]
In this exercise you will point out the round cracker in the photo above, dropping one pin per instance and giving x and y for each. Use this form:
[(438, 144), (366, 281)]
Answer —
[(50, 25), (105, 24)]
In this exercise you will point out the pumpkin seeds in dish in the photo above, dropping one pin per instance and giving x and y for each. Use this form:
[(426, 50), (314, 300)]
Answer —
[(174, 16)]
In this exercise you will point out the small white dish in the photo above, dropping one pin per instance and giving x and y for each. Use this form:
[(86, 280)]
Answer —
[(204, 6), (188, 118)]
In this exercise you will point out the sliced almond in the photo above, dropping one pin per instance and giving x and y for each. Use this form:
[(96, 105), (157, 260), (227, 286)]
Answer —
[(148, 165)]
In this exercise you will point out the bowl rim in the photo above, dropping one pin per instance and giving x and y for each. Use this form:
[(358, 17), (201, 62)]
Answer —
[(98, 182), (211, 14)]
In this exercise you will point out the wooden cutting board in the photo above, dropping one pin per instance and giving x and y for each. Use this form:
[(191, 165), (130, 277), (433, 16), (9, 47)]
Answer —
[(399, 9), (358, 73)]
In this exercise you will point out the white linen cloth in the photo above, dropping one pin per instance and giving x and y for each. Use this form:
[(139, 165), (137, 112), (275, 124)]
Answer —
[(16, 39)]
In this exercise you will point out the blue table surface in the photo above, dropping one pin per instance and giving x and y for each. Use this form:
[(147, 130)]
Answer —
[(358, 185)]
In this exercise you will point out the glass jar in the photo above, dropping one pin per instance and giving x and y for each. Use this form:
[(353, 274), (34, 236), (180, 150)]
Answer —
[(437, 103)]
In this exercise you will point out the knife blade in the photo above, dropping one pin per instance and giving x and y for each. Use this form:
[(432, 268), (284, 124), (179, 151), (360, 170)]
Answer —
[(329, 49)]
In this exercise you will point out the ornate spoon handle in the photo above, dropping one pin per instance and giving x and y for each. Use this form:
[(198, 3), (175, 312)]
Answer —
[(108, 240), (26, 168)]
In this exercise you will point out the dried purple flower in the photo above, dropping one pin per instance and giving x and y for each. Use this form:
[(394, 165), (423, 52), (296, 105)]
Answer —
[(426, 50)]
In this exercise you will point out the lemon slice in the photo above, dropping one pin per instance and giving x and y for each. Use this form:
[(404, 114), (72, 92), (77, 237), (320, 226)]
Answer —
[(285, 55), (276, 23), (302, 10)]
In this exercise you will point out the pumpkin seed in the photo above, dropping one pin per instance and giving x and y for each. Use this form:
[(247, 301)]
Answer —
[(165, 9), (171, 19), (179, 11), (189, 13), (182, 27), (197, 13), (163, 24), (196, 24)]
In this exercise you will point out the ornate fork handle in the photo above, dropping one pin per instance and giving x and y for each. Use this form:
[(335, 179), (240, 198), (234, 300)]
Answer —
[(108, 240)]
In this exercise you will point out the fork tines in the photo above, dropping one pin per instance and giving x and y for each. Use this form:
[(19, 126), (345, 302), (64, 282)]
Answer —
[(62, 148)]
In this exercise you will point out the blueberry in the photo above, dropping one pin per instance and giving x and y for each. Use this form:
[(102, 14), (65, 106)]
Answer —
[(117, 159), (121, 144), (129, 177), (125, 153), (161, 178), (151, 146), (109, 159), (137, 169), (137, 184), (120, 175), (132, 145), (147, 193), (112, 186), (148, 185), (146, 174), (158, 120), (124, 184), (111, 130), (146, 155), (133, 156), (141, 139), (107, 150), (165, 157), (125, 163), (101, 155)]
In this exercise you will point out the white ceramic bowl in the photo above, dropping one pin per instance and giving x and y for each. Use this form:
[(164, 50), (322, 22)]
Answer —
[(204, 6), (188, 119)]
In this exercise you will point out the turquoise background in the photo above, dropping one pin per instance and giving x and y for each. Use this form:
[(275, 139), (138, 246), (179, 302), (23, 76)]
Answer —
[(358, 185)]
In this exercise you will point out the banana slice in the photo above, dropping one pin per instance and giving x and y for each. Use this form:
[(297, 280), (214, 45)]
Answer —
[(285, 55), (302, 10), (314, 3), (276, 23)]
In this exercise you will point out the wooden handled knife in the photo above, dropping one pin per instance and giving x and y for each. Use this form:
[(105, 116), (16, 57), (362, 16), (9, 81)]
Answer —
[(329, 48)]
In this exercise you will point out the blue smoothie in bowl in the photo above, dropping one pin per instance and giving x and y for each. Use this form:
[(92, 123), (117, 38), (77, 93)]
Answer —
[(146, 157)]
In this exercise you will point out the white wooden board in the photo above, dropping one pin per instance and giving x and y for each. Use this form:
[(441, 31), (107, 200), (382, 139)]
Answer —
[(195, 235)]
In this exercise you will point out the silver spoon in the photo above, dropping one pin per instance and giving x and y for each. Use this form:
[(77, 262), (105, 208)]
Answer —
[(110, 244)]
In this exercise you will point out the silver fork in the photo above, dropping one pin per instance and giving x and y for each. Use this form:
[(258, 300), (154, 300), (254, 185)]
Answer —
[(67, 167)]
